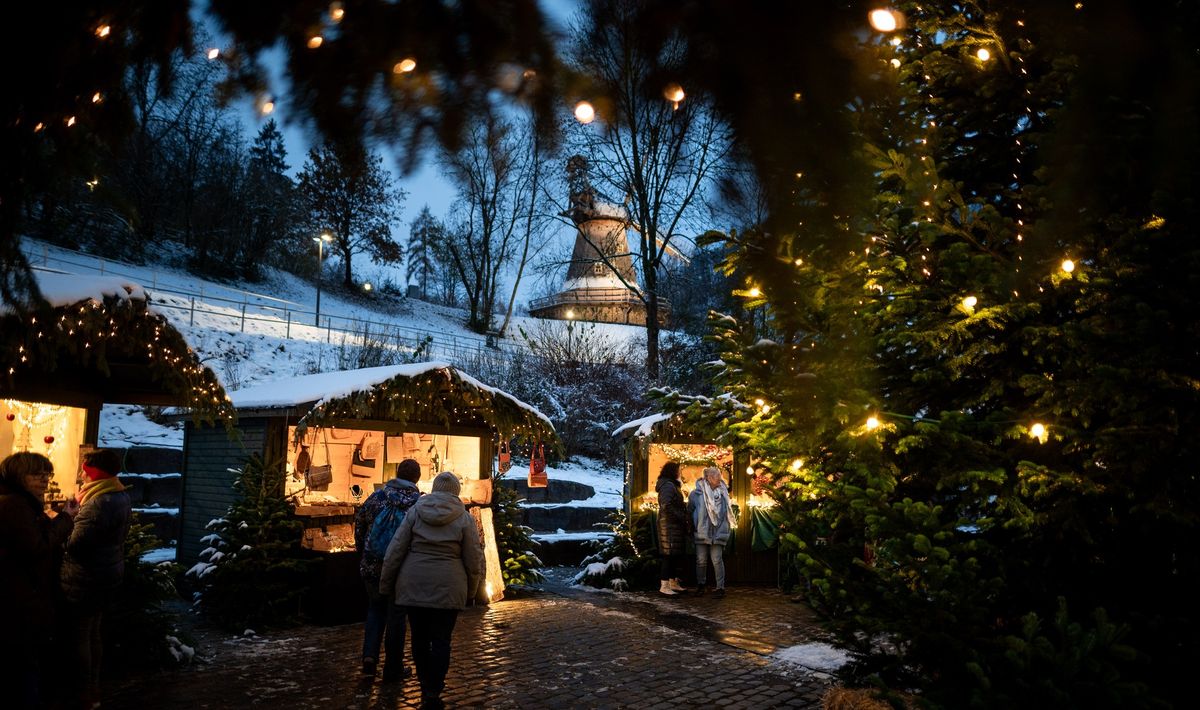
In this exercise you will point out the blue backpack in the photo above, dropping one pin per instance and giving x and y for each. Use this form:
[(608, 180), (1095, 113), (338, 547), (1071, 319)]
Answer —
[(383, 529)]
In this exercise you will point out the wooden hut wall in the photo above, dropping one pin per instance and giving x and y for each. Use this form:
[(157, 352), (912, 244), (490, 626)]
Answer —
[(207, 479)]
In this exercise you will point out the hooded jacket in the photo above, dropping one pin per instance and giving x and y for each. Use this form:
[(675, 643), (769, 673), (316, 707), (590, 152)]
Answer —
[(435, 559)]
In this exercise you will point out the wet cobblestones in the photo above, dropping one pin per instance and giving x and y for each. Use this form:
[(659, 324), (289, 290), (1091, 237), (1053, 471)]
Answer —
[(556, 648)]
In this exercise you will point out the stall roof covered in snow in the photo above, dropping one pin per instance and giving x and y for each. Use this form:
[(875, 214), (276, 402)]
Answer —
[(641, 427), (314, 389), (67, 289), (351, 393), (98, 340)]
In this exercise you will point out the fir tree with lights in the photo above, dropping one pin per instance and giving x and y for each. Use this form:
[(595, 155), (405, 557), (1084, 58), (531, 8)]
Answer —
[(979, 399)]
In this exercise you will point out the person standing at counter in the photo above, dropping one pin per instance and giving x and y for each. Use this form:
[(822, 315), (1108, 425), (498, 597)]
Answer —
[(433, 568), (374, 525), (30, 543), (673, 526), (709, 505)]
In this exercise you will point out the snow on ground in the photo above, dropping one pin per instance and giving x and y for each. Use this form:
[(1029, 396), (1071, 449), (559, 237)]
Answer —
[(815, 656), (159, 555), (608, 482), (124, 425)]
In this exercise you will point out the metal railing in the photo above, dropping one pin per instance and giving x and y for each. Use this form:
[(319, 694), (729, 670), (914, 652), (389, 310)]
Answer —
[(594, 295), (268, 315)]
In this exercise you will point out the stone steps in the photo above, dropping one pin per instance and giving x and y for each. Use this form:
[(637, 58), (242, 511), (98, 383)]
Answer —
[(549, 510), (152, 478)]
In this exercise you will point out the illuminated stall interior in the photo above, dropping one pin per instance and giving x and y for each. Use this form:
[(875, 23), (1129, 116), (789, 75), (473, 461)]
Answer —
[(53, 430), (653, 441), (354, 427)]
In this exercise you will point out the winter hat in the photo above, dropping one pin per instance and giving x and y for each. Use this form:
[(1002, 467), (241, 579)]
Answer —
[(446, 482), (102, 463)]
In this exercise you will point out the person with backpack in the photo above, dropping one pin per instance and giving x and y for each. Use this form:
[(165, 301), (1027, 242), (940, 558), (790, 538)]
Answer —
[(375, 524)]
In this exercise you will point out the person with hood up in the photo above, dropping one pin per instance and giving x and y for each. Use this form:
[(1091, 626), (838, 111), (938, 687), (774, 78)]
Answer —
[(709, 504), (93, 568), (397, 496), (30, 542), (672, 529), (432, 568)]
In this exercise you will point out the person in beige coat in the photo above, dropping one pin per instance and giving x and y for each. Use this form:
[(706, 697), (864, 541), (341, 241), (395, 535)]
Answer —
[(432, 569)]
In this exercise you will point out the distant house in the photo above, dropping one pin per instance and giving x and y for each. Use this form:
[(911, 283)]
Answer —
[(97, 340), (359, 423)]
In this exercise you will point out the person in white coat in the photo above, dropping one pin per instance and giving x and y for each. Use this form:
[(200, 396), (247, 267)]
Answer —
[(710, 508), (432, 569)]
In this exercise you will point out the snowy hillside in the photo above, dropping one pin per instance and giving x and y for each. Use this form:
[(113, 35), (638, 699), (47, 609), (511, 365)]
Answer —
[(255, 333)]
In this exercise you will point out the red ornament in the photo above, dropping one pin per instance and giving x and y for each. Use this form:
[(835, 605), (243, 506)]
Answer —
[(10, 416), (49, 439)]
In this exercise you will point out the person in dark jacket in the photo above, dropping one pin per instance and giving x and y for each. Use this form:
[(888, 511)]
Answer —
[(30, 542), (399, 494), (433, 567), (93, 568), (672, 529)]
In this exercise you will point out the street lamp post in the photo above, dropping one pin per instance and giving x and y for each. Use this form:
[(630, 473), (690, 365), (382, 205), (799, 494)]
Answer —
[(570, 328), (321, 241)]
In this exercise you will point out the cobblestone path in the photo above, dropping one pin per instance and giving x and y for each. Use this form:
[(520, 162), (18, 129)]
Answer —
[(560, 648)]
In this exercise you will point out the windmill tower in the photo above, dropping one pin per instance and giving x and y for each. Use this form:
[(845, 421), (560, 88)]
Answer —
[(601, 274)]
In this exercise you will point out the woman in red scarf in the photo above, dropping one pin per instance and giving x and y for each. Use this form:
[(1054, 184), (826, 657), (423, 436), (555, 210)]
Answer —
[(93, 567)]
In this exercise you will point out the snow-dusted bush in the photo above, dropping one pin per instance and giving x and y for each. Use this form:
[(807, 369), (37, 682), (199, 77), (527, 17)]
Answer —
[(518, 563), (623, 562), (252, 572), (138, 611)]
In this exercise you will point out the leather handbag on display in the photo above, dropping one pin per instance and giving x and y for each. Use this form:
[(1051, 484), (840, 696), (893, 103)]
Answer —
[(504, 458), (318, 478), (537, 467)]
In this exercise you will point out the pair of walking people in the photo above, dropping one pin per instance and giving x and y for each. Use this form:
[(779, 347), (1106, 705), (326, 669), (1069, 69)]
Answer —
[(431, 569), (706, 517)]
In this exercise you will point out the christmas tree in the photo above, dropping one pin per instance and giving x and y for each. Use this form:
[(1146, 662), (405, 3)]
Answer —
[(979, 397)]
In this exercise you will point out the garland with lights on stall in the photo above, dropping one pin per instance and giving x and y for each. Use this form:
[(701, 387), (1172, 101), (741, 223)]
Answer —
[(442, 394), (91, 334)]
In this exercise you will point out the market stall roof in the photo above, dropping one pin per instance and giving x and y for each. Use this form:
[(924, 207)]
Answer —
[(98, 339), (685, 417), (424, 391)]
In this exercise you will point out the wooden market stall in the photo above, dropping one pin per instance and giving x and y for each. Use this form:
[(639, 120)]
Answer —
[(652, 441), (96, 340), (341, 435)]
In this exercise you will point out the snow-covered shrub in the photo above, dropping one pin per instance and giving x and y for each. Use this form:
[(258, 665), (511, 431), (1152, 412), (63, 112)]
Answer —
[(138, 610), (518, 563), (625, 561), (252, 572)]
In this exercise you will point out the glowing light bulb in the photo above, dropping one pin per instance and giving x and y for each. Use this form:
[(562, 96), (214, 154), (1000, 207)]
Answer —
[(895, 63), (103, 31), (796, 464), (585, 112), (673, 93), (404, 66), (336, 13), (367, 286), (1068, 266), (759, 402), (896, 41), (214, 53), (983, 54), (872, 423), (754, 292), (315, 41), (1038, 431), (883, 20), (749, 470), (267, 107), (969, 302), (97, 97)]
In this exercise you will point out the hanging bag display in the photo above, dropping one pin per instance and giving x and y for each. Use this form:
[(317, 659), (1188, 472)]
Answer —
[(318, 478), (363, 462), (537, 467), (504, 459)]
